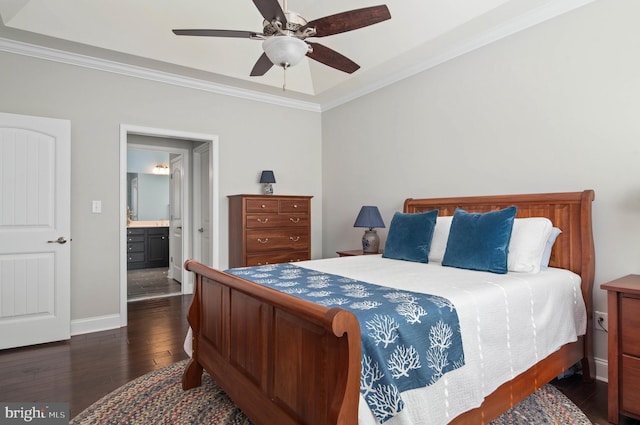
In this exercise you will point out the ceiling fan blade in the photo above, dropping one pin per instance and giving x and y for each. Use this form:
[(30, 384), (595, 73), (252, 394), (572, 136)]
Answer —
[(218, 33), (331, 58), (270, 10), (349, 21), (262, 66)]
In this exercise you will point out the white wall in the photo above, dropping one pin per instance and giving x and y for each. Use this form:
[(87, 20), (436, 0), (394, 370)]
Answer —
[(97, 103), (553, 108)]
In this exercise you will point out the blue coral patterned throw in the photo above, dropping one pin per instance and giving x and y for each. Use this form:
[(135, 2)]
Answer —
[(410, 340)]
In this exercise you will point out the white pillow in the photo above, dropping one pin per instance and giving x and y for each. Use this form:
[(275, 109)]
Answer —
[(546, 256), (528, 241), (439, 240)]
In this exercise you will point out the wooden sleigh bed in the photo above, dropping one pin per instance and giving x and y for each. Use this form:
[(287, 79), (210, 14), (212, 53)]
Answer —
[(284, 360)]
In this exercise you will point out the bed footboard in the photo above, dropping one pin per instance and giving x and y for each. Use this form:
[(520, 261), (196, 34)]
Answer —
[(281, 359)]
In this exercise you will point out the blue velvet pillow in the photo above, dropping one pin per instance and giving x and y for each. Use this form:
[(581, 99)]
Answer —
[(480, 241), (410, 235)]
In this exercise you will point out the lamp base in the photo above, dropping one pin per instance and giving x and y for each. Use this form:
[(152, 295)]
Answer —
[(268, 189), (370, 242)]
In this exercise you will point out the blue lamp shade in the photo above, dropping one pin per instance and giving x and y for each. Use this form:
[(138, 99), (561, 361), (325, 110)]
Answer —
[(369, 217), (267, 177)]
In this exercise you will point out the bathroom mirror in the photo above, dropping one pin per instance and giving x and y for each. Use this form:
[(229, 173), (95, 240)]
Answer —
[(148, 197)]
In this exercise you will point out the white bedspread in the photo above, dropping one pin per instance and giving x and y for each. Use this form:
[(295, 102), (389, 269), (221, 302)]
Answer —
[(509, 323)]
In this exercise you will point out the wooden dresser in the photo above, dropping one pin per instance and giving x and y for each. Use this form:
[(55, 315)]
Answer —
[(268, 229), (623, 303)]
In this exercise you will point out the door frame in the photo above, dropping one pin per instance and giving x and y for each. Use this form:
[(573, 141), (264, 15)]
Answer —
[(188, 199), (211, 152)]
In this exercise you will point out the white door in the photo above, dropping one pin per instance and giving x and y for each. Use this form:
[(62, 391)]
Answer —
[(34, 230), (203, 205), (175, 222)]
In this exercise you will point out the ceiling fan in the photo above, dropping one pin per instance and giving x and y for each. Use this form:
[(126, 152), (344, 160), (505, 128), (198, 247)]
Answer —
[(285, 32)]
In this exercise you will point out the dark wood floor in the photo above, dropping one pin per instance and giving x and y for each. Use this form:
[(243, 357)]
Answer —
[(87, 367)]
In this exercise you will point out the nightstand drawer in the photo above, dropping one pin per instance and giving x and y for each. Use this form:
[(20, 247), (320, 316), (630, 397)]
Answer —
[(630, 325), (630, 384)]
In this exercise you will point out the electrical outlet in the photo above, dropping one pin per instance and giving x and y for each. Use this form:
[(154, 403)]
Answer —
[(601, 321)]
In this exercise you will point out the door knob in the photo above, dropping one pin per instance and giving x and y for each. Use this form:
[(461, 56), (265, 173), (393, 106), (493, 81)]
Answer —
[(61, 240), (201, 230)]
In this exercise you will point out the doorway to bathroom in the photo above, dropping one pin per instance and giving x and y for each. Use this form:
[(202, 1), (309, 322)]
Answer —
[(166, 176), (151, 207)]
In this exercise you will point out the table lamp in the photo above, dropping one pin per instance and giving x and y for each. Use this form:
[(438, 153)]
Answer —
[(267, 178), (369, 217)]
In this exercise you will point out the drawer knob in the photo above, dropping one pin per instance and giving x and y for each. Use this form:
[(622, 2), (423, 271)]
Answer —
[(294, 219), (294, 238), (263, 241), (262, 220), (263, 206), (295, 205)]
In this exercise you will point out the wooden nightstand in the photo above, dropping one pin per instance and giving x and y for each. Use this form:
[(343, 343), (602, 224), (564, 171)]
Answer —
[(355, 252), (623, 303)]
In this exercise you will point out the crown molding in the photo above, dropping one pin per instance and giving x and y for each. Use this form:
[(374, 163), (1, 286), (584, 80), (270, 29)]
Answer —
[(548, 11), (55, 55)]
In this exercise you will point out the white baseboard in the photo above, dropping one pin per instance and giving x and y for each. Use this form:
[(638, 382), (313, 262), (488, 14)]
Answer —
[(602, 369), (95, 324)]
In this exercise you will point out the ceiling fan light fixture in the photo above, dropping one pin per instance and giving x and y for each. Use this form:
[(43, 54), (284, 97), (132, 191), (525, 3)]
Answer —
[(284, 50)]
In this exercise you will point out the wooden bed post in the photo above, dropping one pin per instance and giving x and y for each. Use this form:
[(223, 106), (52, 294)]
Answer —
[(192, 376), (588, 277)]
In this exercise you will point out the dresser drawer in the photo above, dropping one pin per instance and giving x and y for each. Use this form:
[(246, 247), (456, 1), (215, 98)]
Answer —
[(135, 231), (263, 221), (282, 257), (630, 385), (294, 205), (135, 238), (262, 205), (267, 240), (630, 325)]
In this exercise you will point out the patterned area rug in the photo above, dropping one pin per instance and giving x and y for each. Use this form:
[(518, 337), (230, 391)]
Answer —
[(158, 398)]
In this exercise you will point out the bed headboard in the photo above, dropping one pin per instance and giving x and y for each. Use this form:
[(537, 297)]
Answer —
[(569, 211)]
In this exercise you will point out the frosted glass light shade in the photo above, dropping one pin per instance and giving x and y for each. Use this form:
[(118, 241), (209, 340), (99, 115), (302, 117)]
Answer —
[(284, 51)]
